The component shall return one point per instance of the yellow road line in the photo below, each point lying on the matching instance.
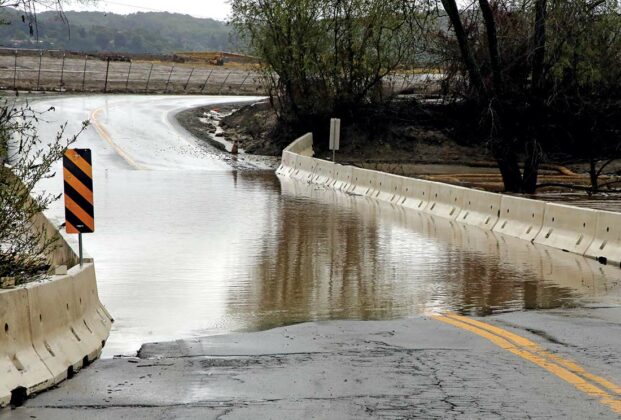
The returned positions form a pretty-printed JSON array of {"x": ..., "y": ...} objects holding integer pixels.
[
  {"x": 568, "y": 371},
  {"x": 535, "y": 348},
  {"x": 106, "y": 136}
]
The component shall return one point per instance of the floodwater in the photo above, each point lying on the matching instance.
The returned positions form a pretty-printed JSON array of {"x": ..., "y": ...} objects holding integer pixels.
[{"x": 186, "y": 246}]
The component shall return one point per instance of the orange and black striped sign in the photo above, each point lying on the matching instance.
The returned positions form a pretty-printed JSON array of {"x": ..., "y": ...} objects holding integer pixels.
[{"x": 79, "y": 208}]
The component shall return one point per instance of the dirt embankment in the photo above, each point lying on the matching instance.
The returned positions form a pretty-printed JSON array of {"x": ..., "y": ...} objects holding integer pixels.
[
  {"x": 402, "y": 137},
  {"x": 375, "y": 138}
]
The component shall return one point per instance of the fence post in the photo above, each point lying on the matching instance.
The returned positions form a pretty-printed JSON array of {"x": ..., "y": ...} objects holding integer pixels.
[
  {"x": 62, "y": 74},
  {"x": 188, "y": 81},
  {"x": 206, "y": 81},
  {"x": 39, "y": 74},
  {"x": 107, "y": 70},
  {"x": 15, "y": 73},
  {"x": 224, "y": 82},
  {"x": 169, "y": 76},
  {"x": 84, "y": 73},
  {"x": 244, "y": 82},
  {"x": 128, "y": 73},
  {"x": 146, "y": 89}
]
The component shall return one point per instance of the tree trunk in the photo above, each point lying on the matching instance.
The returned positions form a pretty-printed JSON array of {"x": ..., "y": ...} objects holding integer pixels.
[
  {"x": 508, "y": 165},
  {"x": 594, "y": 175},
  {"x": 492, "y": 43},
  {"x": 531, "y": 167},
  {"x": 450, "y": 6},
  {"x": 539, "y": 45}
]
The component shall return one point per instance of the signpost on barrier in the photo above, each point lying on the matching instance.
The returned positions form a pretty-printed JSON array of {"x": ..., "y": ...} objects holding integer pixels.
[
  {"x": 79, "y": 204},
  {"x": 335, "y": 137}
]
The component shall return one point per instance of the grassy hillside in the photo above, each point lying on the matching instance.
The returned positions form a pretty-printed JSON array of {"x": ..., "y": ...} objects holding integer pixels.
[{"x": 156, "y": 33}]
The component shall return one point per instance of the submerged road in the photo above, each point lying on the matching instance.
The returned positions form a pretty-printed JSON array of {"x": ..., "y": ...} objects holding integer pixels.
[{"x": 192, "y": 246}]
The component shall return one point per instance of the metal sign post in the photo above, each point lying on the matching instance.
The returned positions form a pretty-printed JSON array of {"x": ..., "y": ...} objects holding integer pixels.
[
  {"x": 335, "y": 136},
  {"x": 79, "y": 204}
]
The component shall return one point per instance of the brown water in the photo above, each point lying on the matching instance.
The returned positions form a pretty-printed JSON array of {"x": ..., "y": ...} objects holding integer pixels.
[
  {"x": 182, "y": 254},
  {"x": 187, "y": 247}
]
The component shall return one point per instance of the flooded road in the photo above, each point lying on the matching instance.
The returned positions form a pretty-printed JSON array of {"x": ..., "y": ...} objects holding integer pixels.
[{"x": 186, "y": 246}]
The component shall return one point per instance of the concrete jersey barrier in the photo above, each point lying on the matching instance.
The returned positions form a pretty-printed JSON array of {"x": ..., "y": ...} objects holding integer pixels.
[
  {"x": 416, "y": 193},
  {"x": 568, "y": 228},
  {"x": 342, "y": 178},
  {"x": 520, "y": 217},
  {"x": 606, "y": 246},
  {"x": 50, "y": 328},
  {"x": 21, "y": 368},
  {"x": 595, "y": 234},
  {"x": 445, "y": 200},
  {"x": 480, "y": 208}
]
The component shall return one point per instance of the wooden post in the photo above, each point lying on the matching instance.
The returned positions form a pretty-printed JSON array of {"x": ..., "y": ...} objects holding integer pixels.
[
  {"x": 169, "y": 76},
  {"x": 39, "y": 75},
  {"x": 223, "y": 83},
  {"x": 188, "y": 81},
  {"x": 84, "y": 73},
  {"x": 62, "y": 74},
  {"x": 107, "y": 70},
  {"x": 206, "y": 81},
  {"x": 146, "y": 89},
  {"x": 128, "y": 73},
  {"x": 244, "y": 82},
  {"x": 15, "y": 73}
]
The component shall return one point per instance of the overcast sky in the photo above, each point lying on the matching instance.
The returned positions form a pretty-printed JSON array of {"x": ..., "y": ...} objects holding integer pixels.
[{"x": 216, "y": 9}]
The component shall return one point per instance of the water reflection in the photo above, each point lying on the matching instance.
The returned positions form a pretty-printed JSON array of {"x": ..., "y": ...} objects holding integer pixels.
[
  {"x": 332, "y": 255},
  {"x": 188, "y": 253}
]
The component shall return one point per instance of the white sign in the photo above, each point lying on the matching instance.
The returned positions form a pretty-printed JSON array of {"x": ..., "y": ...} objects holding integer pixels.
[{"x": 335, "y": 133}]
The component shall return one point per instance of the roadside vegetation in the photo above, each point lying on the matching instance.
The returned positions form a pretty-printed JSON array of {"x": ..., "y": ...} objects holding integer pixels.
[
  {"x": 25, "y": 160},
  {"x": 25, "y": 245},
  {"x": 526, "y": 82}
]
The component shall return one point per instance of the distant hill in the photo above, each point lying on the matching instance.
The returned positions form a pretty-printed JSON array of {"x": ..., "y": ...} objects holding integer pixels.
[{"x": 153, "y": 33}]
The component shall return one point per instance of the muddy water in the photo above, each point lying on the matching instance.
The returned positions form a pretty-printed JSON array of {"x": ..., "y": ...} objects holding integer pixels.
[
  {"x": 182, "y": 254},
  {"x": 185, "y": 246}
]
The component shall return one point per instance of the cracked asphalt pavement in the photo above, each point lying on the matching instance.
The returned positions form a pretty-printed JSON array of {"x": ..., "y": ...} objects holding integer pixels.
[{"x": 408, "y": 368}]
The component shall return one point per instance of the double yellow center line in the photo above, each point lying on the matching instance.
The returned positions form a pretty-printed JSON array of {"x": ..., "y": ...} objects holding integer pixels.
[
  {"x": 595, "y": 386},
  {"x": 103, "y": 133}
]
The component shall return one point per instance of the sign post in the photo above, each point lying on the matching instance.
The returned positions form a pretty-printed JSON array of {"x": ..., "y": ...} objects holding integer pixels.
[
  {"x": 335, "y": 137},
  {"x": 79, "y": 204}
]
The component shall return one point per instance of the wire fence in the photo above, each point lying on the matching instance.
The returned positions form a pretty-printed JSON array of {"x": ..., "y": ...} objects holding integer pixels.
[
  {"x": 60, "y": 71},
  {"x": 38, "y": 70}
]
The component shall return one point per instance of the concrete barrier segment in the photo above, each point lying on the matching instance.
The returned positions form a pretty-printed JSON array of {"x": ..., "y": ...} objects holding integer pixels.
[
  {"x": 480, "y": 208},
  {"x": 67, "y": 322},
  {"x": 288, "y": 163},
  {"x": 446, "y": 200},
  {"x": 606, "y": 246},
  {"x": 364, "y": 182},
  {"x": 520, "y": 217},
  {"x": 415, "y": 193},
  {"x": 324, "y": 172},
  {"x": 343, "y": 178},
  {"x": 20, "y": 365},
  {"x": 302, "y": 146},
  {"x": 53, "y": 336},
  {"x": 305, "y": 168},
  {"x": 390, "y": 187},
  {"x": 568, "y": 228}
]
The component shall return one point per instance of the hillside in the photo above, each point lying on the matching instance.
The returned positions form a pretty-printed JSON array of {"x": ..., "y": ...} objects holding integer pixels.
[{"x": 155, "y": 33}]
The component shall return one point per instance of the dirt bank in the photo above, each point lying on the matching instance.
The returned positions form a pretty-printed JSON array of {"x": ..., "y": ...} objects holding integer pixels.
[{"x": 403, "y": 137}]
